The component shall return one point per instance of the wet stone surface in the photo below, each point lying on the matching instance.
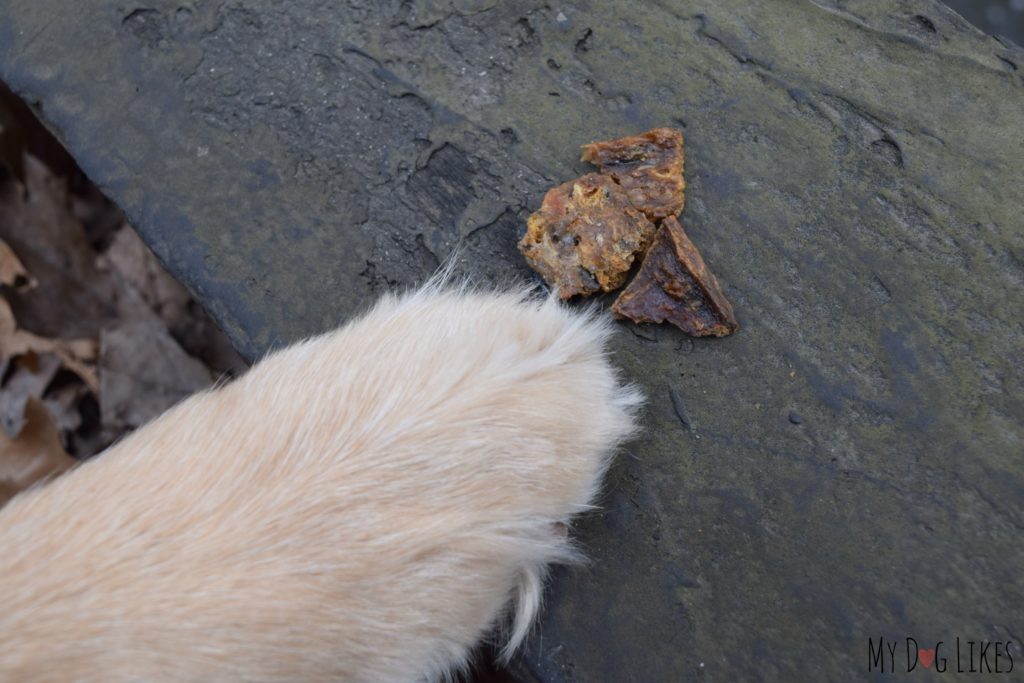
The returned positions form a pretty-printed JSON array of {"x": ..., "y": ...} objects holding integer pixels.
[{"x": 853, "y": 179}]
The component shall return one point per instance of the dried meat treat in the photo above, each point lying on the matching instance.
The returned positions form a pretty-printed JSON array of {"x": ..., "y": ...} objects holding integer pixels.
[
  {"x": 585, "y": 236},
  {"x": 674, "y": 285},
  {"x": 649, "y": 167}
]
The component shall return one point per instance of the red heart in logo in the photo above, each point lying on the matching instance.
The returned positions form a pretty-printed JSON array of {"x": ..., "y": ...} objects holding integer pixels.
[{"x": 926, "y": 656}]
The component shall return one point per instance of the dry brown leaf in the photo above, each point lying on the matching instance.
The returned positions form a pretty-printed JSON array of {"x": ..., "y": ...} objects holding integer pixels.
[
  {"x": 139, "y": 271},
  {"x": 101, "y": 294},
  {"x": 35, "y": 454},
  {"x": 64, "y": 403},
  {"x": 129, "y": 256},
  {"x": 26, "y": 377},
  {"x": 12, "y": 272},
  {"x": 144, "y": 372},
  {"x": 78, "y": 355},
  {"x": 74, "y": 299}
]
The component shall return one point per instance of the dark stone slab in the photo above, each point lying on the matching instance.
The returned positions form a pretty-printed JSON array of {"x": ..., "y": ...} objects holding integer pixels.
[{"x": 854, "y": 174}]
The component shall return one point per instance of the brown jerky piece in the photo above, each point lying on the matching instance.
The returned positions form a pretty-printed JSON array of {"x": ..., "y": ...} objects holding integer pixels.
[
  {"x": 585, "y": 236},
  {"x": 674, "y": 285},
  {"x": 649, "y": 167}
]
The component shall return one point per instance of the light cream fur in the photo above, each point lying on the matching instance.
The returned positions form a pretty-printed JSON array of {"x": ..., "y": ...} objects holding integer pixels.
[{"x": 363, "y": 506}]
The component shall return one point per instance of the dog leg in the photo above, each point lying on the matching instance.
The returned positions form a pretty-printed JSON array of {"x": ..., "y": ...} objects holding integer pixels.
[{"x": 362, "y": 506}]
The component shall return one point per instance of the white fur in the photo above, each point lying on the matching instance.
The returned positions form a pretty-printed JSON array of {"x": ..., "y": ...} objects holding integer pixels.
[{"x": 362, "y": 506}]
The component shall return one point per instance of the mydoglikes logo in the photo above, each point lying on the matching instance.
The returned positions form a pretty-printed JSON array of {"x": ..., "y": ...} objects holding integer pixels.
[{"x": 962, "y": 656}]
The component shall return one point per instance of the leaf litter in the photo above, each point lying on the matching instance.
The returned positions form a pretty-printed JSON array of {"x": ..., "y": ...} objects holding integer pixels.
[{"x": 96, "y": 338}]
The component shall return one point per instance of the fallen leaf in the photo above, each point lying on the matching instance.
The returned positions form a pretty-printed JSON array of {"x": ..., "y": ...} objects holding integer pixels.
[
  {"x": 99, "y": 293},
  {"x": 63, "y": 398},
  {"x": 73, "y": 298},
  {"x": 138, "y": 269},
  {"x": 26, "y": 377},
  {"x": 36, "y": 453},
  {"x": 143, "y": 372},
  {"x": 78, "y": 355},
  {"x": 129, "y": 257},
  {"x": 100, "y": 218},
  {"x": 12, "y": 272}
]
